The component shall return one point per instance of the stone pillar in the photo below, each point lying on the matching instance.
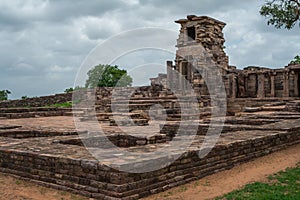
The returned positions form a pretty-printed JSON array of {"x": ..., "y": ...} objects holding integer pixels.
[
  {"x": 234, "y": 86},
  {"x": 170, "y": 77},
  {"x": 261, "y": 86},
  {"x": 272, "y": 77},
  {"x": 185, "y": 36},
  {"x": 184, "y": 68},
  {"x": 246, "y": 86},
  {"x": 189, "y": 72},
  {"x": 286, "y": 85},
  {"x": 296, "y": 86},
  {"x": 180, "y": 75}
]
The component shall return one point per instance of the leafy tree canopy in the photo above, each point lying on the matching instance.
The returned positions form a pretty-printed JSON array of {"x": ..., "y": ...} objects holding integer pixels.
[
  {"x": 296, "y": 60},
  {"x": 4, "y": 94},
  {"x": 282, "y": 13},
  {"x": 107, "y": 76},
  {"x": 69, "y": 90}
]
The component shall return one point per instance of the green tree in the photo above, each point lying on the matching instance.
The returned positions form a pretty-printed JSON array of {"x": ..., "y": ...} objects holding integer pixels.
[
  {"x": 296, "y": 60},
  {"x": 281, "y": 13},
  {"x": 107, "y": 76},
  {"x": 69, "y": 90},
  {"x": 4, "y": 94}
]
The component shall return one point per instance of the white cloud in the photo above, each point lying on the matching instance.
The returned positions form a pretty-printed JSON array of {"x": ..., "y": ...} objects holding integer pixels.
[
  {"x": 95, "y": 28},
  {"x": 59, "y": 69}
]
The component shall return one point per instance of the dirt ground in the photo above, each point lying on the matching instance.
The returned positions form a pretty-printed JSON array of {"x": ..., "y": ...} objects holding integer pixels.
[
  {"x": 206, "y": 188},
  {"x": 226, "y": 181},
  {"x": 16, "y": 189}
]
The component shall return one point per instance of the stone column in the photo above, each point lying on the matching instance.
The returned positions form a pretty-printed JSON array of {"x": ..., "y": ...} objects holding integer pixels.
[
  {"x": 234, "y": 86},
  {"x": 261, "y": 86},
  {"x": 246, "y": 94},
  {"x": 272, "y": 77},
  {"x": 185, "y": 75},
  {"x": 286, "y": 85},
  {"x": 185, "y": 36},
  {"x": 296, "y": 86},
  {"x": 180, "y": 75},
  {"x": 189, "y": 72},
  {"x": 170, "y": 77}
]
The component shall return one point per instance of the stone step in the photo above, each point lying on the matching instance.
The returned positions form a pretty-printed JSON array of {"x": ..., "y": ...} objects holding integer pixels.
[
  {"x": 32, "y": 114},
  {"x": 37, "y": 109},
  {"x": 147, "y": 98},
  {"x": 180, "y": 117},
  {"x": 74, "y": 113},
  {"x": 134, "y": 101},
  {"x": 6, "y": 127},
  {"x": 132, "y": 122},
  {"x": 275, "y": 104},
  {"x": 293, "y": 106},
  {"x": 252, "y": 109},
  {"x": 264, "y": 108},
  {"x": 274, "y": 108},
  {"x": 108, "y": 115},
  {"x": 118, "y": 140}
]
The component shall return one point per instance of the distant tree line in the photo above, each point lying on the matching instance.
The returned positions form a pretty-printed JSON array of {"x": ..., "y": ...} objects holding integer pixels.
[{"x": 4, "y": 94}]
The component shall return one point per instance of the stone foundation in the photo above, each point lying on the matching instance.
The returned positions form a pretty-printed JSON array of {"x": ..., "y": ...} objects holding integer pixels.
[
  {"x": 60, "y": 161},
  {"x": 89, "y": 178}
]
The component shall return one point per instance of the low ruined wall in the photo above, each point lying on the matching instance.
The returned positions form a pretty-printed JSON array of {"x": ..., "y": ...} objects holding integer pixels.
[
  {"x": 92, "y": 179},
  {"x": 37, "y": 101},
  {"x": 238, "y": 104},
  {"x": 103, "y": 96}
]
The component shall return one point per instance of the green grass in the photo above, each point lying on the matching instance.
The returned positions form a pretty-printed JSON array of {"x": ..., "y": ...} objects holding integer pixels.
[
  {"x": 61, "y": 105},
  {"x": 281, "y": 186}
]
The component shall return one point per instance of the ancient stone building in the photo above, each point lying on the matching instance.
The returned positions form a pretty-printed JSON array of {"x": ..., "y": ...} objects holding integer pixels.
[
  {"x": 258, "y": 82},
  {"x": 201, "y": 44}
]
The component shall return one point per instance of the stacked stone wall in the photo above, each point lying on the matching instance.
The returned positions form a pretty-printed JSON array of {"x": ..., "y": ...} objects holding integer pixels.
[
  {"x": 37, "y": 101},
  {"x": 90, "y": 178}
]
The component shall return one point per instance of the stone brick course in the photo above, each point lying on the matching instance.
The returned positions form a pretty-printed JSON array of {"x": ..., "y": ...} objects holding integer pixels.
[{"x": 58, "y": 164}]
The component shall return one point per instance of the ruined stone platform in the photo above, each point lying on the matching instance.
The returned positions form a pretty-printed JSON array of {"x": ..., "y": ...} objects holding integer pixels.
[{"x": 50, "y": 152}]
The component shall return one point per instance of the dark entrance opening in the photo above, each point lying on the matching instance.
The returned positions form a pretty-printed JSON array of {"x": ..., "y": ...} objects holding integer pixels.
[{"x": 191, "y": 33}]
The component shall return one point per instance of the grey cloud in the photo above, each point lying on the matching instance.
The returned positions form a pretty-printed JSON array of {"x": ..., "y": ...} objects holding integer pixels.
[
  {"x": 18, "y": 14},
  {"x": 202, "y": 7},
  {"x": 62, "y": 10},
  {"x": 43, "y": 42}
]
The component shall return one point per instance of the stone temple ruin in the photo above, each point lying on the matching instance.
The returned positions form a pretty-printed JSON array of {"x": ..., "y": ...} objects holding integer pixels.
[
  {"x": 198, "y": 33},
  {"x": 59, "y": 147}
]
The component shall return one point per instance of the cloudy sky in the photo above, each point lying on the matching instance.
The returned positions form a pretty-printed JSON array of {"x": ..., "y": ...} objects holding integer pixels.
[{"x": 44, "y": 42}]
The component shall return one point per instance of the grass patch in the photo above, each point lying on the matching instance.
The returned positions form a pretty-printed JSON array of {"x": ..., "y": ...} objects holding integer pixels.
[
  {"x": 61, "y": 105},
  {"x": 18, "y": 182},
  {"x": 284, "y": 185}
]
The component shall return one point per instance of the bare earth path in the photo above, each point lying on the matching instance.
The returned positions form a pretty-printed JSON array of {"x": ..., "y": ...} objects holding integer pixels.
[
  {"x": 227, "y": 181},
  {"x": 207, "y": 188}
]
